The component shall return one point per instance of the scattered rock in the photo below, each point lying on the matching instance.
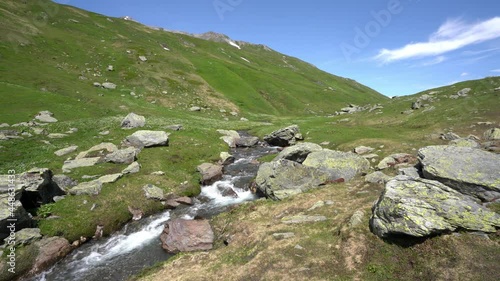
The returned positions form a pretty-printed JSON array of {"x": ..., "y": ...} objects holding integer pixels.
[
  {"x": 284, "y": 235},
  {"x": 97, "y": 84},
  {"x": 7, "y": 208},
  {"x": 78, "y": 163},
  {"x": 283, "y": 137},
  {"x": 195, "y": 108},
  {"x": 363, "y": 150},
  {"x": 298, "y": 152},
  {"x": 38, "y": 187},
  {"x": 104, "y": 133},
  {"x": 136, "y": 213},
  {"x": 56, "y": 136},
  {"x": 110, "y": 178},
  {"x": 66, "y": 150},
  {"x": 87, "y": 188},
  {"x": 153, "y": 192},
  {"x": 340, "y": 165},
  {"x": 210, "y": 173},
  {"x": 450, "y": 136},
  {"x": 108, "y": 85},
  {"x": 146, "y": 138},
  {"x": 302, "y": 219},
  {"x": 230, "y": 137},
  {"x": 416, "y": 105},
  {"x": 143, "y": 58},
  {"x": 174, "y": 127},
  {"x": 110, "y": 68},
  {"x": 226, "y": 158},
  {"x": 123, "y": 156},
  {"x": 27, "y": 236},
  {"x": 133, "y": 120},
  {"x": 356, "y": 219},
  {"x": 283, "y": 178},
  {"x": 133, "y": 168},
  {"x": 411, "y": 172},
  {"x": 182, "y": 235},
  {"x": 105, "y": 146},
  {"x": 470, "y": 171},
  {"x": 64, "y": 182},
  {"x": 46, "y": 117},
  {"x": 465, "y": 143},
  {"x": 4, "y": 125},
  {"x": 39, "y": 131},
  {"x": 492, "y": 134},
  {"x": 158, "y": 173},
  {"x": 184, "y": 200},
  {"x": 247, "y": 141},
  {"x": 99, "y": 230},
  {"x": 464, "y": 92},
  {"x": 420, "y": 208},
  {"x": 396, "y": 160},
  {"x": 377, "y": 177}
]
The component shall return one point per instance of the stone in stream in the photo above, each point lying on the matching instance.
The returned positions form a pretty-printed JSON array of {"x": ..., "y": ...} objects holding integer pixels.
[
  {"x": 50, "y": 251},
  {"x": 210, "y": 173},
  {"x": 181, "y": 235},
  {"x": 230, "y": 137},
  {"x": 247, "y": 141}
]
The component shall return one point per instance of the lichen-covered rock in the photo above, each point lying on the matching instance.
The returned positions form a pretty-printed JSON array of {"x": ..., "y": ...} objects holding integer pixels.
[
  {"x": 133, "y": 168},
  {"x": 153, "y": 192},
  {"x": 377, "y": 177},
  {"x": 87, "y": 188},
  {"x": 363, "y": 150},
  {"x": 247, "y": 141},
  {"x": 123, "y": 156},
  {"x": 78, "y": 163},
  {"x": 27, "y": 236},
  {"x": 67, "y": 150},
  {"x": 133, "y": 120},
  {"x": 283, "y": 178},
  {"x": 420, "y": 208},
  {"x": 99, "y": 149},
  {"x": 298, "y": 152},
  {"x": 284, "y": 137},
  {"x": 340, "y": 165},
  {"x": 471, "y": 171},
  {"x": 465, "y": 143},
  {"x": 492, "y": 134},
  {"x": 145, "y": 138}
]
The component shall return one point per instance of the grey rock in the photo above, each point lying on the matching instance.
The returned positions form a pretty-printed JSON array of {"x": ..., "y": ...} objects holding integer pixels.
[
  {"x": 23, "y": 218},
  {"x": 464, "y": 92},
  {"x": 420, "y": 208},
  {"x": 182, "y": 235},
  {"x": 66, "y": 150},
  {"x": 247, "y": 141},
  {"x": 356, "y": 219},
  {"x": 195, "y": 108},
  {"x": 64, "y": 182},
  {"x": 46, "y": 117},
  {"x": 377, "y": 177},
  {"x": 302, "y": 219},
  {"x": 56, "y": 136},
  {"x": 283, "y": 235},
  {"x": 340, "y": 165},
  {"x": 87, "y": 188},
  {"x": 108, "y": 85},
  {"x": 39, "y": 131},
  {"x": 145, "y": 138},
  {"x": 416, "y": 105},
  {"x": 158, "y": 173},
  {"x": 133, "y": 120},
  {"x": 110, "y": 68},
  {"x": 123, "y": 156},
  {"x": 465, "y": 143},
  {"x": 283, "y": 178},
  {"x": 492, "y": 134},
  {"x": 27, "y": 236},
  {"x": 226, "y": 158},
  {"x": 78, "y": 163},
  {"x": 97, "y": 84},
  {"x": 298, "y": 152},
  {"x": 210, "y": 173},
  {"x": 4, "y": 125},
  {"x": 411, "y": 172},
  {"x": 363, "y": 150},
  {"x": 38, "y": 186},
  {"x": 143, "y": 58},
  {"x": 470, "y": 171},
  {"x": 153, "y": 192},
  {"x": 110, "y": 178},
  {"x": 174, "y": 127},
  {"x": 450, "y": 136},
  {"x": 230, "y": 137},
  {"x": 101, "y": 148},
  {"x": 133, "y": 168},
  {"x": 283, "y": 137}
]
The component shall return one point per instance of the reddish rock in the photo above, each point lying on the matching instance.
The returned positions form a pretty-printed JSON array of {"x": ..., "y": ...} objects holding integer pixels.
[
  {"x": 184, "y": 200},
  {"x": 50, "y": 251},
  {"x": 182, "y": 235}
]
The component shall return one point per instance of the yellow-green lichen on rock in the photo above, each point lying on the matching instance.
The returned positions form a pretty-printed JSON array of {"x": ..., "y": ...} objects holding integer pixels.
[
  {"x": 420, "y": 207},
  {"x": 338, "y": 164}
]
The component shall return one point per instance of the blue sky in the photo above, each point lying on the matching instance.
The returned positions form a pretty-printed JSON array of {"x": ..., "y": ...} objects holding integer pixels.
[{"x": 397, "y": 47}]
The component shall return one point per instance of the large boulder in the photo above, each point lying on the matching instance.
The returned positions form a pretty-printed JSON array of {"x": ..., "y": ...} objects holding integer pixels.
[
  {"x": 298, "y": 152},
  {"x": 284, "y": 137},
  {"x": 469, "y": 170},
  {"x": 27, "y": 236},
  {"x": 123, "y": 156},
  {"x": 10, "y": 211},
  {"x": 283, "y": 178},
  {"x": 210, "y": 173},
  {"x": 420, "y": 208},
  {"x": 133, "y": 120},
  {"x": 182, "y": 235},
  {"x": 145, "y": 138},
  {"x": 340, "y": 165},
  {"x": 46, "y": 117},
  {"x": 230, "y": 137},
  {"x": 38, "y": 187},
  {"x": 247, "y": 141}
]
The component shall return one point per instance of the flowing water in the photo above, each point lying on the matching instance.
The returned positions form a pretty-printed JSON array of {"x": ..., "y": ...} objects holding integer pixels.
[{"x": 137, "y": 245}]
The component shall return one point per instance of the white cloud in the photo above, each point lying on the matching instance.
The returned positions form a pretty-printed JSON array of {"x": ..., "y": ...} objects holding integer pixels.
[
  {"x": 496, "y": 70},
  {"x": 436, "y": 60},
  {"x": 464, "y": 74},
  {"x": 452, "y": 35}
]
